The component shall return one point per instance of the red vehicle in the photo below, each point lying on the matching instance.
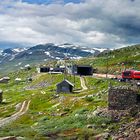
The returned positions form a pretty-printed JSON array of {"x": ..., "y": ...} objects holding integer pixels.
[
  {"x": 131, "y": 74},
  {"x": 137, "y": 75}
]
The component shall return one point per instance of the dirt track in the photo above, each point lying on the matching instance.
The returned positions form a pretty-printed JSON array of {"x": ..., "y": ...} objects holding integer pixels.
[
  {"x": 104, "y": 75},
  {"x": 83, "y": 85},
  {"x": 23, "y": 110}
]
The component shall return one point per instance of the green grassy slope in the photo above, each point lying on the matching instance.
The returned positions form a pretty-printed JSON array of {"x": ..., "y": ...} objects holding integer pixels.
[
  {"x": 117, "y": 60},
  {"x": 52, "y": 116},
  {"x": 63, "y": 116}
]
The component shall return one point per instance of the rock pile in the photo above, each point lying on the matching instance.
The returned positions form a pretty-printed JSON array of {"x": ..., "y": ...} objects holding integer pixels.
[
  {"x": 39, "y": 85},
  {"x": 129, "y": 131}
]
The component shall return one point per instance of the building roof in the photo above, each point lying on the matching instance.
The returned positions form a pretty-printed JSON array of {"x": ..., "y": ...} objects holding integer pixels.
[
  {"x": 53, "y": 72},
  {"x": 84, "y": 66},
  {"x": 44, "y": 67},
  {"x": 66, "y": 82}
]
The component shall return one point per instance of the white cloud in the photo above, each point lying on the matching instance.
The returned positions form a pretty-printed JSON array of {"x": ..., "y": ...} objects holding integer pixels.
[{"x": 104, "y": 23}]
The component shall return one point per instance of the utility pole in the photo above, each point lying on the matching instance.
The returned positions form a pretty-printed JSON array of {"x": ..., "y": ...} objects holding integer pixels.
[
  {"x": 107, "y": 64},
  {"x": 74, "y": 76},
  {"x": 73, "y": 72},
  {"x": 65, "y": 72}
]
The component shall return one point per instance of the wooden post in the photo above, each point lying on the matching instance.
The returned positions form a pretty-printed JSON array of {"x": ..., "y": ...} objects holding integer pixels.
[{"x": 1, "y": 92}]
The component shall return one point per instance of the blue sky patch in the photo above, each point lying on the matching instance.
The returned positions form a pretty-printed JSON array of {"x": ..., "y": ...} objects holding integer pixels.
[{"x": 51, "y": 1}]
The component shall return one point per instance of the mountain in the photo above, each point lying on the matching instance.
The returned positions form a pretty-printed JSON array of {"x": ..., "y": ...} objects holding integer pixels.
[
  {"x": 48, "y": 51},
  {"x": 44, "y": 52}
]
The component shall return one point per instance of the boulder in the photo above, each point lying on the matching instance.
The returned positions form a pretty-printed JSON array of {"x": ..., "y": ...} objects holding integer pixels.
[
  {"x": 17, "y": 80},
  {"x": 4, "y": 80},
  {"x": 137, "y": 131},
  {"x": 90, "y": 126}
]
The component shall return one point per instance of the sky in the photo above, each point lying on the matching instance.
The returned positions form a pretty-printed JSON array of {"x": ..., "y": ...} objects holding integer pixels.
[
  {"x": 51, "y": 1},
  {"x": 89, "y": 23}
]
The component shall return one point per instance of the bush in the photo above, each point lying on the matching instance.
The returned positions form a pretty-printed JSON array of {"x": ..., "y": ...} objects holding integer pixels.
[{"x": 89, "y": 98}]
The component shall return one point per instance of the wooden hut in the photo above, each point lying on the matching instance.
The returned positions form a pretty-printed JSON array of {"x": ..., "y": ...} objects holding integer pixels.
[
  {"x": 64, "y": 86},
  {"x": 82, "y": 70},
  {"x": 44, "y": 69}
]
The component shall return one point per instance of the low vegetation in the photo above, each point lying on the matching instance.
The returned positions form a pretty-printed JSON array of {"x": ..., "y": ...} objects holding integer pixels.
[{"x": 61, "y": 116}]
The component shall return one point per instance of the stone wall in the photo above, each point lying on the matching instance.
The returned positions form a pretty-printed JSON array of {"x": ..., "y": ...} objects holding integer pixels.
[{"x": 120, "y": 98}]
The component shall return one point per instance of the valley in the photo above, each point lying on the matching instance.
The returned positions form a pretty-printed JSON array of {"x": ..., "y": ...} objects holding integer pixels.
[
  {"x": 69, "y": 70},
  {"x": 33, "y": 110}
]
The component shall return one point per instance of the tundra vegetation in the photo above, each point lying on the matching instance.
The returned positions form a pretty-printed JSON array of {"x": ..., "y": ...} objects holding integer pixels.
[{"x": 62, "y": 116}]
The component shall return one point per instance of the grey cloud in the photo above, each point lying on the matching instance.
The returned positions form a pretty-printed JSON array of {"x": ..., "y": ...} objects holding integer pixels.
[{"x": 104, "y": 23}]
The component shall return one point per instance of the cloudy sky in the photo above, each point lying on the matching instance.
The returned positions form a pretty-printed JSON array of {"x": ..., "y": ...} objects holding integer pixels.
[{"x": 92, "y": 23}]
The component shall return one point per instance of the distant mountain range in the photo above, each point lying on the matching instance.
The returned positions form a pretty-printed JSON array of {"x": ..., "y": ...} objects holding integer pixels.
[
  {"x": 48, "y": 51},
  {"x": 15, "y": 57}
]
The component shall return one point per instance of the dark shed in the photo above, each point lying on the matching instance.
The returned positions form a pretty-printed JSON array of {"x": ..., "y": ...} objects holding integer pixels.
[
  {"x": 83, "y": 70},
  {"x": 44, "y": 69},
  {"x": 64, "y": 86}
]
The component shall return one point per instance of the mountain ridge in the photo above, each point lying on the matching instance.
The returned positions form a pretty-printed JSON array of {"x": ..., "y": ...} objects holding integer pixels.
[
  {"x": 48, "y": 51},
  {"x": 18, "y": 57}
]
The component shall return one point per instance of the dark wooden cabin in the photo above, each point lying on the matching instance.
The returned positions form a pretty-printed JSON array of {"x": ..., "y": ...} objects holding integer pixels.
[
  {"x": 83, "y": 70},
  {"x": 64, "y": 86},
  {"x": 44, "y": 69}
]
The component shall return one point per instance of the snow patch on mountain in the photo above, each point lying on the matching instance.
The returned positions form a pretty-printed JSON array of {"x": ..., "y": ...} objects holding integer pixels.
[
  {"x": 18, "y": 64},
  {"x": 75, "y": 57},
  {"x": 1, "y": 51},
  {"x": 67, "y": 45},
  {"x": 99, "y": 49},
  {"x": 47, "y": 53},
  {"x": 92, "y": 51},
  {"x": 30, "y": 52},
  {"x": 18, "y": 50},
  {"x": 12, "y": 58}
]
